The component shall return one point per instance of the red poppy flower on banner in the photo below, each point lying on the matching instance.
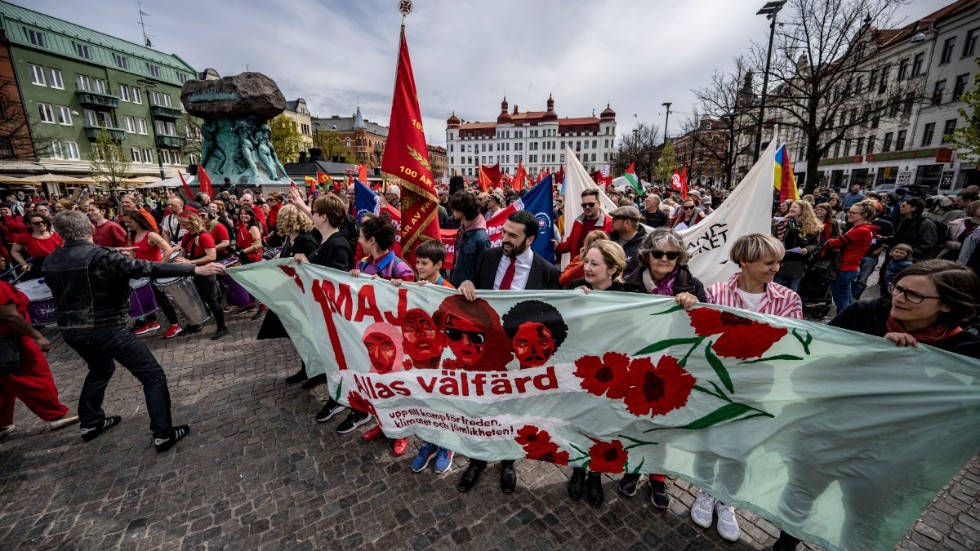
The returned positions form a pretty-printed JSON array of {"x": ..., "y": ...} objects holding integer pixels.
[
  {"x": 551, "y": 455},
  {"x": 604, "y": 377},
  {"x": 656, "y": 390},
  {"x": 740, "y": 337},
  {"x": 291, "y": 272},
  {"x": 358, "y": 402},
  {"x": 608, "y": 457},
  {"x": 533, "y": 438}
]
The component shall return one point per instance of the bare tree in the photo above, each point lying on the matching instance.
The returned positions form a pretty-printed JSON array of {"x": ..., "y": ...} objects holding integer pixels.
[
  {"x": 21, "y": 134},
  {"x": 638, "y": 146},
  {"x": 825, "y": 76}
]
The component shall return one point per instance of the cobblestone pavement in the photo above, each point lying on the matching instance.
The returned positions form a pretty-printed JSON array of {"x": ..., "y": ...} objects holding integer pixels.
[{"x": 258, "y": 472}]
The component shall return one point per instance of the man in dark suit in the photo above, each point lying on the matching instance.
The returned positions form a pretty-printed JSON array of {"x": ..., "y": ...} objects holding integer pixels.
[{"x": 513, "y": 266}]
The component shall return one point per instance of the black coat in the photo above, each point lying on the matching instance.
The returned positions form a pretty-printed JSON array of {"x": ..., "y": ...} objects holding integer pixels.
[
  {"x": 543, "y": 275},
  {"x": 685, "y": 282}
]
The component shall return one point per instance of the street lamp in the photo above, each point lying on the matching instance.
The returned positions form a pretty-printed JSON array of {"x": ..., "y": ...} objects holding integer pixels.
[
  {"x": 666, "y": 118},
  {"x": 770, "y": 10},
  {"x": 730, "y": 154}
]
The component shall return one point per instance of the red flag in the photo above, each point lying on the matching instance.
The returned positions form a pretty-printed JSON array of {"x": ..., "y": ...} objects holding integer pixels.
[
  {"x": 560, "y": 175},
  {"x": 205, "y": 181},
  {"x": 362, "y": 173},
  {"x": 679, "y": 181},
  {"x": 406, "y": 156},
  {"x": 310, "y": 181},
  {"x": 322, "y": 177},
  {"x": 492, "y": 173},
  {"x": 521, "y": 179},
  {"x": 484, "y": 180},
  {"x": 187, "y": 188}
]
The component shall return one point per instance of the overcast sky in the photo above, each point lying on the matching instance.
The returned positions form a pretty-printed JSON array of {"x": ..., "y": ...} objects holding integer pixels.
[{"x": 467, "y": 55}]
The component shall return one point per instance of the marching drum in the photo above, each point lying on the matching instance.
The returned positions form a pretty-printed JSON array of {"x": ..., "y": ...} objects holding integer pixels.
[
  {"x": 237, "y": 295},
  {"x": 41, "y": 306},
  {"x": 183, "y": 294},
  {"x": 141, "y": 300}
]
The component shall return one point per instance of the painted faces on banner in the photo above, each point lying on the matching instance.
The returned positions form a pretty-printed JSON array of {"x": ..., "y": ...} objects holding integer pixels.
[
  {"x": 384, "y": 347},
  {"x": 422, "y": 339},
  {"x": 536, "y": 330},
  {"x": 473, "y": 334}
]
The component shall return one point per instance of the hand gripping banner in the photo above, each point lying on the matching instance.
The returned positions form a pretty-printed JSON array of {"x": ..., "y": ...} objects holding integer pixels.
[{"x": 841, "y": 439}]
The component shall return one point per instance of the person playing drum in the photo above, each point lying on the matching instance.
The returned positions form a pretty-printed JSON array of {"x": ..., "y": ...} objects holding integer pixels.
[
  {"x": 198, "y": 249},
  {"x": 151, "y": 246},
  {"x": 38, "y": 244}
]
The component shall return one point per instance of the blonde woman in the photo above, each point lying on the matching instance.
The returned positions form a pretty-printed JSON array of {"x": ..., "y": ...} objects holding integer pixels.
[{"x": 799, "y": 232}]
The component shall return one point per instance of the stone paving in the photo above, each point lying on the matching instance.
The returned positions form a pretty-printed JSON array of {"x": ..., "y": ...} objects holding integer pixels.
[{"x": 258, "y": 472}]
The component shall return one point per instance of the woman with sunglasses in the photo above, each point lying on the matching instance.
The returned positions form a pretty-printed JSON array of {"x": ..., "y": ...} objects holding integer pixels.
[
  {"x": 926, "y": 304},
  {"x": 687, "y": 215},
  {"x": 38, "y": 244}
]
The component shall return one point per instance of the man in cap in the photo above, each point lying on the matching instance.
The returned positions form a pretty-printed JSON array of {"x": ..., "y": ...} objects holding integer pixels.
[{"x": 628, "y": 232}]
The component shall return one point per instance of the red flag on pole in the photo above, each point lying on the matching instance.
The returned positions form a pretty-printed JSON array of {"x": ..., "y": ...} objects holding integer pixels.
[
  {"x": 407, "y": 157},
  {"x": 520, "y": 179},
  {"x": 493, "y": 174},
  {"x": 362, "y": 173},
  {"x": 205, "y": 181},
  {"x": 484, "y": 180},
  {"x": 679, "y": 181},
  {"x": 187, "y": 188}
]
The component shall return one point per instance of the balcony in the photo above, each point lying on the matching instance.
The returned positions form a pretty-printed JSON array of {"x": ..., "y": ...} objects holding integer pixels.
[
  {"x": 161, "y": 112},
  {"x": 170, "y": 142},
  {"x": 97, "y": 100},
  {"x": 117, "y": 134}
]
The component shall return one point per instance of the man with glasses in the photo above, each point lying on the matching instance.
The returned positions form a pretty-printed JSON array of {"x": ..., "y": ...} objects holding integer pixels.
[
  {"x": 513, "y": 266},
  {"x": 592, "y": 218}
]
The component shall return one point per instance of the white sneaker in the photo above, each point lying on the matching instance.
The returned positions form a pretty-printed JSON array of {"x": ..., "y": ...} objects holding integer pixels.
[
  {"x": 727, "y": 522},
  {"x": 703, "y": 509}
]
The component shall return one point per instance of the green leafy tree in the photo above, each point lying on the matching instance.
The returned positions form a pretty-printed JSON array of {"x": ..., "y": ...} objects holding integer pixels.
[
  {"x": 667, "y": 162},
  {"x": 968, "y": 137},
  {"x": 109, "y": 163},
  {"x": 286, "y": 139},
  {"x": 332, "y": 145}
]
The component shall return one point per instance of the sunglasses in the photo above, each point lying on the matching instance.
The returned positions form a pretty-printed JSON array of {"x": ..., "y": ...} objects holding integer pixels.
[
  {"x": 588, "y": 205},
  {"x": 39, "y": 223},
  {"x": 672, "y": 255},
  {"x": 688, "y": 208},
  {"x": 475, "y": 337}
]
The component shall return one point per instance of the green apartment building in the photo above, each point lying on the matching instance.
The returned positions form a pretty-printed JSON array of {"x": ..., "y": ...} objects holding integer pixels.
[{"x": 74, "y": 81}]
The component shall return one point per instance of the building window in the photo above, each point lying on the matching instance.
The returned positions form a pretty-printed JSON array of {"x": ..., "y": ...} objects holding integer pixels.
[
  {"x": 886, "y": 145},
  {"x": 859, "y": 146},
  {"x": 98, "y": 85},
  {"x": 141, "y": 126},
  {"x": 55, "y": 80},
  {"x": 938, "y": 91},
  {"x": 137, "y": 95},
  {"x": 123, "y": 92},
  {"x": 35, "y": 37},
  {"x": 183, "y": 77},
  {"x": 837, "y": 150},
  {"x": 971, "y": 42},
  {"x": 6, "y": 148},
  {"x": 148, "y": 156},
  {"x": 927, "y": 133},
  {"x": 917, "y": 64},
  {"x": 134, "y": 152},
  {"x": 871, "y": 145},
  {"x": 46, "y": 112},
  {"x": 90, "y": 118},
  {"x": 948, "y": 46},
  {"x": 900, "y": 140},
  {"x": 130, "y": 125},
  {"x": 37, "y": 74},
  {"x": 883, "y": 83},
  {"x": 909, "y": 103},
  {"x": 903, "y": 69},
  {"x": 960, "y": 86},
  {"x": 56, "y": 150},
  {"x": 84, "y": 83},
  {"x": 121, "y": 61},
  {"x": 71, "y": 151},
  {"x": 154, "y": 70},
  {"x": 948, "y": 129},
  {"x": 81, "y": 50},
  {"x": 64, "y": 115}
]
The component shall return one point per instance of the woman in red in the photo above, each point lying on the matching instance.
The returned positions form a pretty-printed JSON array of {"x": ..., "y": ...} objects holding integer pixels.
[
  {"x": 854, "y": 245},
  {"x": 38, "y": 244},
  {"x": 32, "y": 383},
  {"x": 248, "y": 237},
  {"x": 198, "y": 247},
  {"x": 149, "y": 245}
]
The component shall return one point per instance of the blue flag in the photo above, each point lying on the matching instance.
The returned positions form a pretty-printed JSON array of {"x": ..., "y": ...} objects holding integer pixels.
[
  {"x": 539, "y": 201},
  {"x": 365, "y": 201}
]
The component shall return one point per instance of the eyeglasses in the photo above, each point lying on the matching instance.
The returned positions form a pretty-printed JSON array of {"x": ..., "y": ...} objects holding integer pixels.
[
  {"x": 911, "y": 296},
  {"x": 588, "y": 205},
  {"x": 688, "y": 208},
  {"x": 671, "y": 255},
  {"x": 475, "y": 337}
]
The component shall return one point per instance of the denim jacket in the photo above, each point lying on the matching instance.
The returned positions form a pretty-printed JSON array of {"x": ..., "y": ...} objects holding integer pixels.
[
  {"x": 466, "y": 255},
  {"x": 90, "y": 284}
]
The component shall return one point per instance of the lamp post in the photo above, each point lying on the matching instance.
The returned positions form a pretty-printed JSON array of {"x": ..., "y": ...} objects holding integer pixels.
[
  {"x": 730, "y": 154},
  {"x": 770, "y": 10},
  {"x": 666, "y": 118}
]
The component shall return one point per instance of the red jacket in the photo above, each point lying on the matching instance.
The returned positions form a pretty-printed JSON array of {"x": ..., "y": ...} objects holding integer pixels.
[
  {"x": 575, "y": 239},
  {"x": 855, "y": 242}
]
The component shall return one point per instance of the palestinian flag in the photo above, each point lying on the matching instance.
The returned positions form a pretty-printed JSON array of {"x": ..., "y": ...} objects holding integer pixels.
[{"x": 630, "y": 176}]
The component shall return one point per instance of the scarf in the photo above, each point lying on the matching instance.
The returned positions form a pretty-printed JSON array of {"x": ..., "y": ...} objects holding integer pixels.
[
  {"x": 930, "y": 335},
  {"x": 664, "y": 288}
]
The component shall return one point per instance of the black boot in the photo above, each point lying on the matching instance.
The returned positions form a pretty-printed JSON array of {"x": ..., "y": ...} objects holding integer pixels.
[
  {"x": 471, "y": 475},
  {"x": 297, "y": 377},
  {"x": 785, "y": 542},
  {"x": 576, "y": 484},
  {"x": 593, "y": 489}
]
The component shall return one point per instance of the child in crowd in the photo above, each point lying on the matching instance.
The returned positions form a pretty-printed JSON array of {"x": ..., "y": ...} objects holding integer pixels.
[
  {"x": 901, "y": 256},
  {"x": 429, "y": 258}
]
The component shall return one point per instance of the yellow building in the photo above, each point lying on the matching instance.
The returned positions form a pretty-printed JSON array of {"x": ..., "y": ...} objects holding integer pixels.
[{"x": 297, "y": 112}]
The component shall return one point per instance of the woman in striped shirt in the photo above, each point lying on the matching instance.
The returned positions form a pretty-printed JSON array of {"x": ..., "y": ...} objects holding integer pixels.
[{"x": 759, "y": 256}]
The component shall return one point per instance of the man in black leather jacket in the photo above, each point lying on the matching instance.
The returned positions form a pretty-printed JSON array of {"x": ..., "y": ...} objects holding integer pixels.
[{"x": 90, "y": 285}]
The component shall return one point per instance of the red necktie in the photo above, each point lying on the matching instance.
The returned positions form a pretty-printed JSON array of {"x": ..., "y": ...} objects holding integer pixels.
[{"x": 508, "y": 278}]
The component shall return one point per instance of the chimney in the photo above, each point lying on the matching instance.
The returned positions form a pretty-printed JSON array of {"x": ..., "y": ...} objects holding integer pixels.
[
  {"x": 315, "y": 153},
  {"x": 302, "y": 156},
  {"x": 335, "y": 159}
]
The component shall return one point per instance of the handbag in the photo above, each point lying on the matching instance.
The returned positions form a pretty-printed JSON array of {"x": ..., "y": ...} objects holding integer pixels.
[
  {"x": 828, "y": 265},
  {"x": 10, "y": 354}
]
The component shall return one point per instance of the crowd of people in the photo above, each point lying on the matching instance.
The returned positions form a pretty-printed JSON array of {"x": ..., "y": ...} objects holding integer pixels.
[{"x": 96, "y": 244}]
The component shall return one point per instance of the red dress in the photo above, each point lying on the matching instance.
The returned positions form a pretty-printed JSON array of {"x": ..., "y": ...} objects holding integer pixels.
[
  {"x": 243, "y": 240},
  {"x": 33, "y": 384}
]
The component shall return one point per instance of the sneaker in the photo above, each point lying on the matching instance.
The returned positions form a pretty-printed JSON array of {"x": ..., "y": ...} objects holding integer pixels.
[
  {"x": 628, "y": 484},
  {"x": 703, "y": 509},
  {"x": 399, "y": 446},
  {"x": 90, "y": 433},
  {"x": 658, "y": 495},
  {"x": 176, "y": 433},
  {"x": 727, "y": 522},
  {"x": 147, "y": 328},
  {"x": 68, "y": 418},
  {"x": 444, "y": 461},
  {"x": 173, "y": 331},
  {"x": 354, "y": 420},
  {"x": 372, "y": 434},
  {"x": 5, "y": 431},
  {"x": 330, "y": 409},
  {"x": 426, "y": 453}
]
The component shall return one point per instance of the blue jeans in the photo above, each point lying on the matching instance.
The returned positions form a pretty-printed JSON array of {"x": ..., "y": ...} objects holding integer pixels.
[
  {"x": 868, "y": 264},
  {"x": 99, "y": 347},
  {"x": 791, "y": 282},
  {"x": 841, "y": 289}
]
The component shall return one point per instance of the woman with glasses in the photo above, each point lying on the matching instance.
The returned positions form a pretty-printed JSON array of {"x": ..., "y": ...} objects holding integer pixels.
[
  {"x": 687, "y": 216},
  {"x": 852, "y": 246},
  {"x": 926, "y": 304},
  {"x": 37, "y": 244}
]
